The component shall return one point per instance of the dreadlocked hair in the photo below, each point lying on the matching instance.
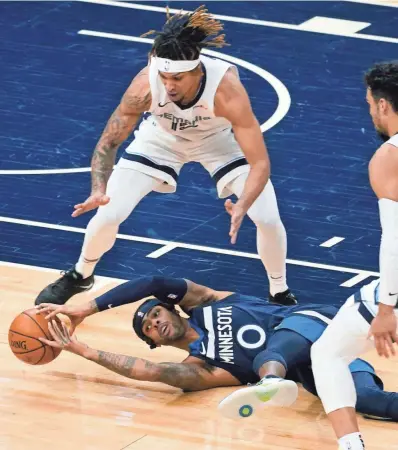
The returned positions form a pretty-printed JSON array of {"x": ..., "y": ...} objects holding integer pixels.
[{"x": 185, "y": 35}]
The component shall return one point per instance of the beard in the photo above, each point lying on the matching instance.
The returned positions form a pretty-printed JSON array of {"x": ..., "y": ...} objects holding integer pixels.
[
  {"x": 178, "y": 330},
  {"x": 383, "y": 136}
]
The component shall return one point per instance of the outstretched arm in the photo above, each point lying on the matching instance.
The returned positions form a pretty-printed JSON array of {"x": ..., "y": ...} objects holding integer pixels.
[
  {"x": 135, "y": 101},
  {"x": 191, "y": 375},
  {"x": 232, "y": 102},
  {"x": 185, "y": 293}
]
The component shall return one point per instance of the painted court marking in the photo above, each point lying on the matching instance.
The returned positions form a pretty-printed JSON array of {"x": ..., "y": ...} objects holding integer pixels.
[
  {"x": 340, "y": 31},
  {"x": 321, "y": 24},
  {"x": 284, "y": 100},
  {"x": 167, "y": 246},
  {"x": 280, "y": 89},
  {"x": 331, "y": 242}
]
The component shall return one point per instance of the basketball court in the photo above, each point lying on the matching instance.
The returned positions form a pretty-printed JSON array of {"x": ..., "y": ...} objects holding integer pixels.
[{"x": 65, "y": 66}]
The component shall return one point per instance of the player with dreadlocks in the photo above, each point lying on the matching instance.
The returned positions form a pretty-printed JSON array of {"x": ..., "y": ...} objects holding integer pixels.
[{"x": 200, "y": 112}]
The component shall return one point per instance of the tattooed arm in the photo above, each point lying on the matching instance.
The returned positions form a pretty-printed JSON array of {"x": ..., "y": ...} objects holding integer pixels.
[
  {"x": 135, "y": 101},
  {"x": 191, "y": 375},
  {"x": 232, "y": 102}
]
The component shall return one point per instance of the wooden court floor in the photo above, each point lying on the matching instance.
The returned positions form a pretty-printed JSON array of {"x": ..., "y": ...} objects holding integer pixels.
[{"x": 75, "y": 404}]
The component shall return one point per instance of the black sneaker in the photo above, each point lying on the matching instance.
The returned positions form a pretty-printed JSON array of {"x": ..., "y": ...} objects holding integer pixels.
[
  {"x": 285, "y": 298},
  {"x": 64, "y": 288}
]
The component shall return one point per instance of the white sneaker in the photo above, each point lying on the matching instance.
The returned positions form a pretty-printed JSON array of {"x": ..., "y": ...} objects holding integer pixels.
[{"x": 268, "y": 392}]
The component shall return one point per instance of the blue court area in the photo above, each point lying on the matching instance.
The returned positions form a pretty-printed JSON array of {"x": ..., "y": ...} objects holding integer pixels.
[{"x": 58, "y": 87}]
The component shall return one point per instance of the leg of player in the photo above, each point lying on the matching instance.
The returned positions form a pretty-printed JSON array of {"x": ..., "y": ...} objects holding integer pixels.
[
  {"x": 285, "y": 349},
  {"x": 343, "y": 340},
  {"x": 372, "y": 401},
  {"x": 126, "y": 188},
  {"x": 271, "y": 239}
]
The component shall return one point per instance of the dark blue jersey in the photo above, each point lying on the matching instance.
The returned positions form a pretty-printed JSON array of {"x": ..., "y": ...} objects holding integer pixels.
[{"x": 234, "y": 330}]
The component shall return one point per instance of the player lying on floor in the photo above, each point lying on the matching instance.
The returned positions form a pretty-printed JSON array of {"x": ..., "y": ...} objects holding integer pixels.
[{"x": 232, "y": 339}]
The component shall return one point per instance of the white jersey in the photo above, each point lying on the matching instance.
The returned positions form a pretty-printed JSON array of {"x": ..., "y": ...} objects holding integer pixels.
[
  {"x": 368, "y": 296},
  {"x": 393, "y": 140},
  {"x": 195, "y": 121}
]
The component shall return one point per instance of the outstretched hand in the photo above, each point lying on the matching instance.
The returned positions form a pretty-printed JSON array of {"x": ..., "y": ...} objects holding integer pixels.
[
  {"x": 75, "y": 313},
  {"x": 94, "y": 201},
  {"x": 237, "y": 214},
  {"x": 62, "y": 338},
  {"x": 384, "y": 331}
]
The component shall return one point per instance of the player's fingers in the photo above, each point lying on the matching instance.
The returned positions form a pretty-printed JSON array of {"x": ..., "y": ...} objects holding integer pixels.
[
  {"x": 377, "y": 344},
  {"x": 229, "y": 206},
  {"x": 233, "y": 234},
  {"x": 61, "y": 337},
  {"x": 57, "y": 328},
  {"x": 104, "y": 200},
  {"x": 232, "y": 230},
  {"x": 383, "y": 347},
  {"x": 50, "y": 343},
  {"x": 52, "y": 314},
  {"x": 65, "y": 330},
  {"x": 78, "y": 212},
  {"x": 53, "y": 332},
  {"x": 41, "y": 307},
  {"x": 390, "y": 345}
]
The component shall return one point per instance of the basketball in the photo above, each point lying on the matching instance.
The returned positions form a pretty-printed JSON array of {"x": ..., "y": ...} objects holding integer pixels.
[{"x": 23, "y": 338}]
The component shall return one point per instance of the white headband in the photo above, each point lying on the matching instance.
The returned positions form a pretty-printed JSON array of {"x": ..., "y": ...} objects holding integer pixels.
[{"x": 168, "y": 65}]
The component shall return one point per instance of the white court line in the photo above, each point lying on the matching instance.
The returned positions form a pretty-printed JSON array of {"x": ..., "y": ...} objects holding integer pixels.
[
  {"x": 329, "y": 25},
  {"x": 44, "y": 171},
  {"x": 354, "y": 280},
  {"x": 264, "y": 23},
  {"x": 201, "y": 248},
  {"x": 332, "y": 241},
  {"x": 391, "y": 4},
  {"x": 161, "y": 251},
  {"x": 284, "y": 100}
]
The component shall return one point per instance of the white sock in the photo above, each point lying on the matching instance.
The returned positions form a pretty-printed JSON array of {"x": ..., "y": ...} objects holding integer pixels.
[
  {"x": 352, "y": 441},
  {"x": 85, "y": 266},
  {"x": 271, "y": 246}
]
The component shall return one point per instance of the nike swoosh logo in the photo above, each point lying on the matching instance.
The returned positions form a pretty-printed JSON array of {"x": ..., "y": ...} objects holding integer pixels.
[
  {"x": 110, "y": 305},
  {"x": 393, "y": 294},
  {"x": 162, "y": 106},
  {"x": 87, "y": 287}
]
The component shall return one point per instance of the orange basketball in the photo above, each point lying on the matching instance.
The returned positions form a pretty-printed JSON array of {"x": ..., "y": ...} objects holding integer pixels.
[{"x": 23, "y": 336}]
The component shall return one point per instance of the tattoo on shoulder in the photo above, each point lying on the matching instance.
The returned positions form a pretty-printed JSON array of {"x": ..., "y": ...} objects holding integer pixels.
[
  {"x": 137, "y": 101},
  {"x": 138, "y": 97}
]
